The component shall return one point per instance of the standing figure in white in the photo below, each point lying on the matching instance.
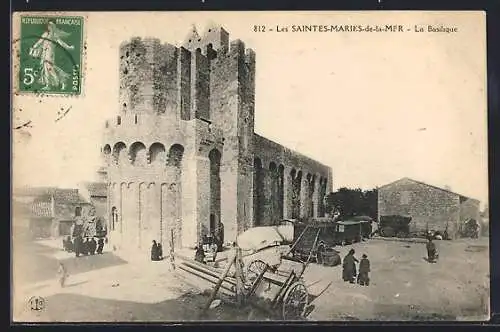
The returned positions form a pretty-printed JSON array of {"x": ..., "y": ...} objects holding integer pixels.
[{"x": 44, "y": 48}]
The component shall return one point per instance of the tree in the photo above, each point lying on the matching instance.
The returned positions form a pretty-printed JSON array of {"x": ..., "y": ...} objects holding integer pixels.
[{"x": 353, "y": 202}]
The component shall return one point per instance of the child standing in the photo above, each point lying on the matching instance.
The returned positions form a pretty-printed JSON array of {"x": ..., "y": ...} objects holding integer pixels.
[
  {"x": 364, "y": 269},
  {"x": 63, "y": 274}
]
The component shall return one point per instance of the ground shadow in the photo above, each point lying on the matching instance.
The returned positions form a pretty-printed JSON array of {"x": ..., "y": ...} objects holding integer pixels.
[
  {"x": 76, "y": 284},
  {"x": 402, "y": 312},
  {"x": 476, "y": 248},
  {"x": 428, "y": 261},
  {"x": 314, "y": 297},
  {"x": 34, "y": 262},
  {"x": 188, "y": 307}
]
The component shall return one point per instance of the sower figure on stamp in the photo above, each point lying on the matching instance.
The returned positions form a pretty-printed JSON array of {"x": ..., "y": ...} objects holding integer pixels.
[{"x": 50, "y": 74}]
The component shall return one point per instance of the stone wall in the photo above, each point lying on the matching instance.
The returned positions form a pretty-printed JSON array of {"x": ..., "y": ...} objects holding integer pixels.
[
  {"x": 198, "y": 98},
  {"x": 155, "y": 178},
  {"x": 431, "y": 208},
  {"x": 287, "y": 184}
]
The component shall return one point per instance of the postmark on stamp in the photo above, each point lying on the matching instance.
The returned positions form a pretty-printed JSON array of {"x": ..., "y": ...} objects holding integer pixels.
[{"x": 50, "y": 57}]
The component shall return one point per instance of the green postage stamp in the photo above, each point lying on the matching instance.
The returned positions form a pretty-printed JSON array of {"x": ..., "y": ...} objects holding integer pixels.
[{"x": 50, "y": 59}]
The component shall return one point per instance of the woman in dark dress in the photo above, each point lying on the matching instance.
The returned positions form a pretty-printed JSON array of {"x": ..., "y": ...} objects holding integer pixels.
[
  {"x": 349, "y": 267},
  {"x": 154, "y": 251},
  {"x": 159, "y": 251},
  {"x": 199, "y": 256}
]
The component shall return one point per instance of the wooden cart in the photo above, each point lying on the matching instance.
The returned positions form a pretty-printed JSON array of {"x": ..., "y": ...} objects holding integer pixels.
[
  {"x": 274, "y": 285},
  {"x": 283, "y": 289}
]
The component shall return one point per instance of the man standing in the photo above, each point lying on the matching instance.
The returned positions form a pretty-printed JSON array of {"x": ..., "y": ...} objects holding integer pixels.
[
  {"x": 100, "y": 245},
  {"x": 77, "y": 235},
  {"x": 431, "y": 251},
  {"x": 364, "y": 270},
  {"x": 63, "y": 274},
  {"x": 92, "y": 246}
]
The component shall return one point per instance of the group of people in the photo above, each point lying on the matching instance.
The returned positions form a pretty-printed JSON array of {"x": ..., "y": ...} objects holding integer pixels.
[
  {"x": 207, "y": 249},
  {"x": 84, "y": 232},
  {"x": 81, "y": 246},
  {"x": 349, "y": 272}
]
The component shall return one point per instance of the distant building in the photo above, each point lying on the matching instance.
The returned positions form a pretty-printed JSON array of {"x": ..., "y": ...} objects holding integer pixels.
[
  {"x": 96, "y": 193},
  {"x": 431, "y": 208},
  {"x": 47, "y": 211}
]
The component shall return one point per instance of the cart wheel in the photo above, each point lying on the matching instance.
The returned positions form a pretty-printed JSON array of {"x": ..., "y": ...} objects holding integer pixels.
[
  {"x": 295, "y": 301},
  {"x": 253, "y": 271}
]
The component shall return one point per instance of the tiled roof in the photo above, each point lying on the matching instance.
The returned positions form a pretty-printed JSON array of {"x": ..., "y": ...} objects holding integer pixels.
[
  {"x": 70, "y": 196},
  {"x": 98, "y": 189},
  {"x": 42, "y": 203},
  {"x": 428, "y": 185},
  {"x": 41, "y": 209}
]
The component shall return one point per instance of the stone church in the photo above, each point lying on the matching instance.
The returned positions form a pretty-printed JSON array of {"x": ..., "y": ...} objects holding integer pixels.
[{"x": 182, "y": 156}]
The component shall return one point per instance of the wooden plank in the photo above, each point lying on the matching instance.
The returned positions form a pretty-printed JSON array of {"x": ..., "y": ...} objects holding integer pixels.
[
  {"x": 239, "y": 277},
  {"x": 284, "y": 287},
  {"x": 200, "y": 275},
  {"x": 298, "y": 240},
  {"x": 219, "y": 283},
  {"x": 313, "y": 246},
  {"x": 209, "y": 272}
]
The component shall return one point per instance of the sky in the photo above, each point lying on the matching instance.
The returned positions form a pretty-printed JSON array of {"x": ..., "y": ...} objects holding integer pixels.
[{"x": 375, "y": 107}]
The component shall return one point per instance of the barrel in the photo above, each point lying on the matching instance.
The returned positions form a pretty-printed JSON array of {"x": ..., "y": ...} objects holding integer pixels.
[{"x": 331, "y": 258}]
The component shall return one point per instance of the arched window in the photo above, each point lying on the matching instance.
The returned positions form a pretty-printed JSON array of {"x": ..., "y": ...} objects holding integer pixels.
[{"x": 138, "y": 154}]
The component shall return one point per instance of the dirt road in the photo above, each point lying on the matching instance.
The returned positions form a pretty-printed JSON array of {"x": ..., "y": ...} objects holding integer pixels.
[{"x": 403, "y": 286}]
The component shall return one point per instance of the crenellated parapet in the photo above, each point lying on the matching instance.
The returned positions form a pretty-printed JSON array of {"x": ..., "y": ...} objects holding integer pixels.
[{"x": 207, "y": 77}]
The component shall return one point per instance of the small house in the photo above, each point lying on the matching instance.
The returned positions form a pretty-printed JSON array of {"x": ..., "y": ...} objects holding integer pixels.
[
  {"x": 52, "y": 210},
  {"x": 431, "y": 208}
]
